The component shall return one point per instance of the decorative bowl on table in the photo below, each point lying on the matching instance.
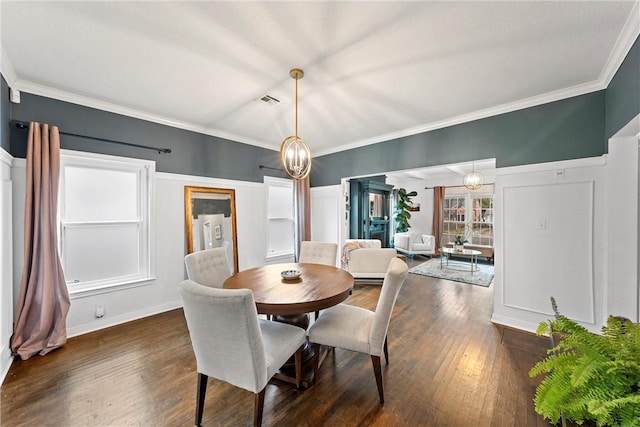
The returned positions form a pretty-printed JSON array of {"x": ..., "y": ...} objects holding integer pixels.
[{"x": 290, "y": 274}]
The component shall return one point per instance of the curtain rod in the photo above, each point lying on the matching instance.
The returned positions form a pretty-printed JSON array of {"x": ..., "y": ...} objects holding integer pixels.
[
  {"x": 24, "y": 125},
  {"x": 269, "y": 167}
]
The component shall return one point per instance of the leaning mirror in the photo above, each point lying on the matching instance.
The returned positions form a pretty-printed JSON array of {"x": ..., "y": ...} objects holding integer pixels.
[{"x": 210, "y": 215}]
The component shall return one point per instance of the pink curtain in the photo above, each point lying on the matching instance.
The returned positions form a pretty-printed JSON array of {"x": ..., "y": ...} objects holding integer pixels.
[
  {"x": 43, "y": 303},
  {"x": 302, "y": 210},
  {"x": 438, "y": 201}
]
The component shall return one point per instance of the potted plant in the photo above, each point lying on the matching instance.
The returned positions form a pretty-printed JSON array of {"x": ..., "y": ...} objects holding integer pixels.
[
  {"x": 459, "y": 243},
  {"x": 402, "y": 214},
  {"x": 590, "y": 377}
]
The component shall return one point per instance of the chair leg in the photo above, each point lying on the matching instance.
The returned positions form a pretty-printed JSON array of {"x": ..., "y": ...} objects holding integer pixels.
[
  {"x": 201, "y": 392},
  {"x": 386, "y": 351},
  {"x": 316, "y": 314},
  {"x": 316, "y": 361},
  {"x": 377, "y": 370},
  {"x": 259, "y": 406},
  {"x": 298, "y": 359}
]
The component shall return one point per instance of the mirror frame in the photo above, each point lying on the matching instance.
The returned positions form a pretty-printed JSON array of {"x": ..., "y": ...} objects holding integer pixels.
[{"x": 190, "y": 194}]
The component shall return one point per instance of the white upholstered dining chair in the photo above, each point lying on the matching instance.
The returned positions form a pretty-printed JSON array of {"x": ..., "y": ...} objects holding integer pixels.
[
  {"x": 231, "y": 344},
  {"x": 318, "y": 253},
  {"x": 209, "y": 267},
  {"x": 358, "y": 329}
]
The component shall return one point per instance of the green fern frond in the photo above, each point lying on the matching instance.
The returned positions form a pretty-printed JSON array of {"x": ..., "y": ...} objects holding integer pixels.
[{"x": 588, "y": 376}]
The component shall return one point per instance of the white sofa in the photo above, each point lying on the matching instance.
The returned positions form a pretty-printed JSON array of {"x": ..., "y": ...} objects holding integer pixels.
[
  {"x": 369, "y": 261},
  {"x": 414, "y": 243}
]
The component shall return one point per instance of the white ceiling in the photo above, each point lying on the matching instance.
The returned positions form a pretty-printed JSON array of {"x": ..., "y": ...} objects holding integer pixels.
[{"x": 373, "y": 70}]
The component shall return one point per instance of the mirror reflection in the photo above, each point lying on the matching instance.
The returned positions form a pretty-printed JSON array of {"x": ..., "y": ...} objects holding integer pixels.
[
  {"x": 376, "y": 208},
  {"x": 211, "y": 221}
]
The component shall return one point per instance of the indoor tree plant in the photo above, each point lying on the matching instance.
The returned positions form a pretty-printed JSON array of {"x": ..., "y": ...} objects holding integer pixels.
[
  {"x": 590, "y": 377},
  {"x": 402, "y": 214}
]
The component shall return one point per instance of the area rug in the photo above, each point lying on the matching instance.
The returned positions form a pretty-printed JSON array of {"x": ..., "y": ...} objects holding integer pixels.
[{"x": 458, "y": 271}]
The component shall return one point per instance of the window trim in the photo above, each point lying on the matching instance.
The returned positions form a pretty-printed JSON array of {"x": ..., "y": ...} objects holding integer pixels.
[
  {"x": 145, "y": 169},
  {"x": 468, "y": 215}
]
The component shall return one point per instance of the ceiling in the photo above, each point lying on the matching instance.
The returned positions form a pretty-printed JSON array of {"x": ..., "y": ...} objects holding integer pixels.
[{"x": 373, "y": 70}]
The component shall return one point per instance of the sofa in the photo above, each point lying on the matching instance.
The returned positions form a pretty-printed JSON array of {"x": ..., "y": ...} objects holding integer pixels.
[
  {"x": 366, "y": 258},
  {"x": 413, "y": 243}
]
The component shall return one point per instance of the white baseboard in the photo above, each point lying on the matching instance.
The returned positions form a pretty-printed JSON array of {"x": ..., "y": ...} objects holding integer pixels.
[
  {"x": 123, "y": 318},
  {"x": 514, "y": 323},
  {"x": 5, "y": 362}
]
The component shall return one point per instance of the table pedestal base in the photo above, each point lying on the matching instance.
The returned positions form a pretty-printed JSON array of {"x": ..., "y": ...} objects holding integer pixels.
[{"x": 288, "y": 371}]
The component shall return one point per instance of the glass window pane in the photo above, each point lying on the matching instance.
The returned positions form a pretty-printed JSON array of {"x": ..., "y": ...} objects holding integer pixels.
[
  {"x": 280, "y": 202},
  {"x": 92, "y": 194},
  {"x": 99, "y": 252},
  {"x": 280, "y": 236}
]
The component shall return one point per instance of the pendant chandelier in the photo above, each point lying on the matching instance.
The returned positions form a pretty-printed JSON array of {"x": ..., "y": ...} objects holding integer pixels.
[
  {"x": 294, "y": 151},
  {"x": 473, "y": 180}
]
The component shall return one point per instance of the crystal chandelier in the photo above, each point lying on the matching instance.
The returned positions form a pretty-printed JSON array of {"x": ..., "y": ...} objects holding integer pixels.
[
  {"x": 473, "y": 180},
  {"x": 294, "y": 151}
]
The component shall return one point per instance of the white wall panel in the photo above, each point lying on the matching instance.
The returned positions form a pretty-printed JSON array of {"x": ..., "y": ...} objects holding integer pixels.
[
  {"x": 548, "y": 248},
  {"x": 326, "y": 206},
  {"x": 169, "y": 238},
  {"x": 6, "y": 268},
  {"x": 622, "y": 197},
  {"x": 550, "y": 231}
]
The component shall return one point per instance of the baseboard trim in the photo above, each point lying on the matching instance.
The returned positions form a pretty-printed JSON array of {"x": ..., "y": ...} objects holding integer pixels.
[
  {"x": 123, "y": 318},
  {"x": 514, "y": 323},
  {"x": 6, "y": 359}
]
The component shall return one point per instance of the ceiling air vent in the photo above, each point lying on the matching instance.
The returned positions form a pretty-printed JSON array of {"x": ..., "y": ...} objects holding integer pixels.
[{"x": 268, "y": 99}]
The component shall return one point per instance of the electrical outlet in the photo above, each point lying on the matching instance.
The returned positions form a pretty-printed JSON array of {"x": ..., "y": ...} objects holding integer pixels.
[
  {"x": 541, "y": 224},
  {"x": 99, "y": 311}
]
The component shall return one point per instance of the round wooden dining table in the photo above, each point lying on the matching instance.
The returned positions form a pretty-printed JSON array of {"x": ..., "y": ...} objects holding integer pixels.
[
  {"x": 291, "y": 300},
  {"x": 318, "y": 287}
]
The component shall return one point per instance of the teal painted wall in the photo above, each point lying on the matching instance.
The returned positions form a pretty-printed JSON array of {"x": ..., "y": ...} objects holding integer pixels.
[
  {"x": 192, "y": 153},
  {"x": 572, "y": 128},
  {"x": 567, "y": 129},
  {"x": 623, "y": 93}
]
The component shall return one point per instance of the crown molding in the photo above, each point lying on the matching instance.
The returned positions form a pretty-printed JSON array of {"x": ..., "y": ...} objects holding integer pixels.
[
  {"x": 86, "y": 101},
  {"x": 480, "y": 114},
  {"x": 6, "y": 68},
  {"x": 623, "y": 45},
  {"x": 625, "y": 41}
]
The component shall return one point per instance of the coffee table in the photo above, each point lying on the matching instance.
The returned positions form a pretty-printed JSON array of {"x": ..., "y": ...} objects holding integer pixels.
[{"x": 472, "y": 254}]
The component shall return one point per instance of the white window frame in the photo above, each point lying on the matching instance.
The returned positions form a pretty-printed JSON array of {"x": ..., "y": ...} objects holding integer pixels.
[
  {"x": 285, "y": 183},
  {"x": 145, "y": 171},
  {"x": 468, "y": 216}
]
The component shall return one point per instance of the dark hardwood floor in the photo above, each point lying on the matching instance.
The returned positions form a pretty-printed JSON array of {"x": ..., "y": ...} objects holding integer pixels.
[{"x": 449, "y": 366}]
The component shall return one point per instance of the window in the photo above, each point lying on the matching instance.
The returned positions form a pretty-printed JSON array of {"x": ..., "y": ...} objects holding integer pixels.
[
  {"x": 477, "y": 227},
  {"x": 280, "y": 217},
  {"x": 482, "y": 221},
  {"x": 453, "y": 218},
  {"x": 104, "y": 220}
]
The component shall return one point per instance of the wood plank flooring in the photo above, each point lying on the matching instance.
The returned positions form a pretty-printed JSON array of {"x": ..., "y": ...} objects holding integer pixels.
[{"x": 449, "y": 366}]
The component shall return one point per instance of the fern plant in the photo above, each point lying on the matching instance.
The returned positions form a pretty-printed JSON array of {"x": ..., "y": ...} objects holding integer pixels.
[
  {"x": 590, "y": 377},
  {"x": 402, "y": 213}
]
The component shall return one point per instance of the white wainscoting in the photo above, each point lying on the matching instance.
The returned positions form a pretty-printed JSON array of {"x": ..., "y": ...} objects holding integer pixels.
[
  {"x": 169, "y": 249},
  {"x": 623, "y": 294},
  {"x": 550, "y": 241},
  {"x": 6, "y": 268},
  {"x": 326, "y": 204}
]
